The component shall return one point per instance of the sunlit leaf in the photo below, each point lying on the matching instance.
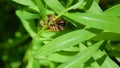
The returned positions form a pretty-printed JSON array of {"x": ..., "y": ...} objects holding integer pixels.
[
  {"x": 28, "y": 25},
  {"x": 69, "y": 2},
  {"x": 55, "y": 5},
  {"x": 33, "y": 63},
  {"x": 25, "y": 2},
  {"x": 77, "y": 5},
  {"x": 95, "y": 8},
  {"x": 108, "y": 63},
  {"x": 60, "y": 58},
  {"x": 113, "y": 10},
  {"x": 64, "y": 41},
  {"x": 81, "y": 57},
  {"x": 42, "y": 9},
  {"x": 30, "y": 64},
  {"x": 103, "y": 22},
  {"x": 29, "y": 16}
]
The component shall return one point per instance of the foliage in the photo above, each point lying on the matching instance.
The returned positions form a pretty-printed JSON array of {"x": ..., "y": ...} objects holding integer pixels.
[{"x": 90, "y": 39}]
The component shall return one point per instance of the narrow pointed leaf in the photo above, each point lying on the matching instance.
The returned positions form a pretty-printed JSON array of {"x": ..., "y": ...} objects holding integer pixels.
[
  {"x": 55, "y": 5},
  {"x": 69, "y": 2},
  {"x": 77, "y": 5},
  {"x": 64, "y": 41},
  {"x": 42, "y": 9},
  {"x": 103, "y": 60},
  {"x": 107, "y": 36},
  {"x": 33, "y": 63},
  {"x": 108, "y": 63},
  {"x": 81, "y": 57},
  {"x": 28, "y": 25},
  {"x": 104, "y": 22},
  {"x": 25, "y": 2},
  {"x": 95, "y": 8},
  {"x": 115, "y": 10}
]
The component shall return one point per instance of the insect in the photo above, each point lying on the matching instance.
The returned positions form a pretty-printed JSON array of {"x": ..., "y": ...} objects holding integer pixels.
[{"x": 57, "y": 25}]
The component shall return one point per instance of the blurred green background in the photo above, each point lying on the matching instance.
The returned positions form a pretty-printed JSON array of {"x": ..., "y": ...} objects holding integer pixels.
[
  {"x": 14, "y": 40},
  {"x": 13, "y": 37}
]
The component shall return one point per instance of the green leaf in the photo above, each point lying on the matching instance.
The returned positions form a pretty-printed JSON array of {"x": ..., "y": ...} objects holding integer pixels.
[
  {"x": 64, "y": 41},
  {"x": 72, "y": 49},
  {"x": 30, "y": 64},
  {"x": 25, "y": 2},
  {"x": 103, "y": 22},
  {"x": 88, "y": 4},
  {"x": 29, "y": 16},
  {"x": 98, "y": 1},
  {"x": 36, "y": 63},
  {"x": 42, "y": 9},
  {"x": 107, "y": 36},
  {"x": 116, "y": 47},
  {"x": 33, "y": 63},
  {"x": 55, "y": 5},
  {"x": 60, "y": 58},
  {"x": 115, "y": 10},
  {"x": 91, "y": 63},
  {"x": 108, "y": 63},
  {"x": 81, "y": 57},
  {"x": 77, "y": 5},
  {"x": 69, "y": 2},
  {"x": 103, "y": 60},
  {"x": 28, "y": 25},
  {"x": 118, "y": 58},
  {"x": 95, "y": 8}
]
